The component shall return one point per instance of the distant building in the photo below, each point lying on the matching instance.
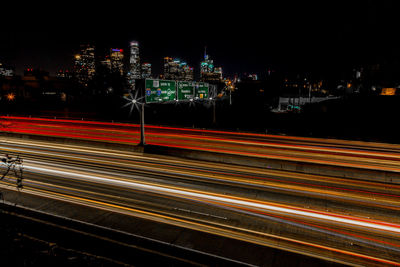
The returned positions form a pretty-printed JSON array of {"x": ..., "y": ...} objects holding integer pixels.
[
  {"x": 64, "y": 74},
  {"x": 188, "y": 73},
  {"x": 170, "y": 68},
  {"x": 106, "y": 63},
  {"x": 146, "y": 70},
  {"x": 253, "y": 77},
  {"x": 208, "y": 72},
  {"x": 117, "y": 61},
  {"x": 207, "y": 65},
  {"x": 84, "y": 64},
  {"x": 6, "y": 71},
  {"x": 295, "y": 103},
  {"x": 134, "y": 64},
  {"x": 38, "y": 73},
  {"x": 388, "y": 91},
  {"x": 219, "y": 72},
  {"x": 174, "y": 69}
]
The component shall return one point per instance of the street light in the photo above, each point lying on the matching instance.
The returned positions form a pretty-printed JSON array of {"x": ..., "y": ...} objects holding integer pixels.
[
  {"x": 135, "y": 101},
  {"x": 10, "y": 96}
]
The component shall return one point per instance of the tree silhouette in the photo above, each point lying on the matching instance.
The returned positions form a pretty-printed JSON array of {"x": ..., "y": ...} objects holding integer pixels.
[{"x": 13, "y": 165}]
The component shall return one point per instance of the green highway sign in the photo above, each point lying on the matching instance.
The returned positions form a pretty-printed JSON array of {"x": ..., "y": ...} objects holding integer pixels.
[
  {"x": 159, "y": 90},
  {"x": 185, "y": 90},
  {"x": 202, "y": 90}
]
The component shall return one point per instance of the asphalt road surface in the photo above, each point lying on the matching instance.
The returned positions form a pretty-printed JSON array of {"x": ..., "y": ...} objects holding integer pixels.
[{"x": 341, "y": 220}]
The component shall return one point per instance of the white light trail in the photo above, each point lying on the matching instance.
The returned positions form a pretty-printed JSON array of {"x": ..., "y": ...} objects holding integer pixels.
[{"x": 218, "y": 198}]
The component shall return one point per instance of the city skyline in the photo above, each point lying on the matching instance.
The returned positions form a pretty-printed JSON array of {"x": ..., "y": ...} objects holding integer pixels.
[
  {"x": 101, "y": 53},
  {"x": 290, "y": 36}
]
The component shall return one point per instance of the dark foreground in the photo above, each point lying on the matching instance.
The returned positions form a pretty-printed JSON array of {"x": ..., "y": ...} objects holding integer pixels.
[{"x": 32, "y": 239}]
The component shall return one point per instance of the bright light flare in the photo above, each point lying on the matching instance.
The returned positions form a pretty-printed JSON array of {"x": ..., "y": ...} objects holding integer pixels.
[
  {"x": 10, "y": 96},
  {"x": 133, "y": 101}
]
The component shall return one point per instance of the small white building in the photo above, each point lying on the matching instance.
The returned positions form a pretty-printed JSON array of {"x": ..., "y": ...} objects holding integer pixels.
[{"x": 295, "y": 103}]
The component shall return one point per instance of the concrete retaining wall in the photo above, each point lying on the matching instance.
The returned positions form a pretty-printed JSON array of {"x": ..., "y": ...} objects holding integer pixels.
[{"x": 295, "y": 166}]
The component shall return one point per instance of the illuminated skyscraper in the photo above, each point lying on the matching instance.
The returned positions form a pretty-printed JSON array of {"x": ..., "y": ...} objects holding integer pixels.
[
  {"x": 134, "y": 63},
  {"x": 206, "y": 66},
  {"x": 167, "y": 65},
  {"x": 84, "y": 64},
  {"x": 106, "y": 63},
  {"x": 218, "y": 70},
  {"x": 188, "y": 73},
  {"x": 117, "y": 61},
  {"x": 146, "y": 70},
  {"x": 171, "y": 66},
  {"x": 208, "y": 72},
  {"x": 175, "y": 69}
]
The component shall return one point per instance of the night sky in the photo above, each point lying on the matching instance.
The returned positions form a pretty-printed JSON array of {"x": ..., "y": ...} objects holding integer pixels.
[{"x": 299, "y": 36}]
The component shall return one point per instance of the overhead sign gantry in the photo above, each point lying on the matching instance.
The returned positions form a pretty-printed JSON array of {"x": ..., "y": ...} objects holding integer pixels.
[{"x": 159, "y": 90}]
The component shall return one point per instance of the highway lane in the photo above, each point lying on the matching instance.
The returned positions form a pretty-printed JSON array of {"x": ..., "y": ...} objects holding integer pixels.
[
  {"x": 363, "y": 155},
  {"x": 304, "y": 213},
  {"x": 125, "y": 129},
  {"x": 356, "y": 193},
  {"x": 128, "y": 128},
  {"x": 247, "y": 233},
  {"x": 251, "y": 232}
]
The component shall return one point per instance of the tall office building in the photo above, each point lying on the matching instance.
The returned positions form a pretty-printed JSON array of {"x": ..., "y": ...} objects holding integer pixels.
[
  {"x": 134, "y": 64},
  {"x": 84, "y": 64},
  {"x": 106, "y": 63},
  {"x": 170, "y": 68},
  {"x": 208, "y": 72},
  {"x": 206, "y": 66},
  {"x": 146, "y": 70},
  {"x": 117, "y": 61},
  {"x": 218, "y": 70},
  {"x": 175, "y": 69},
  {"x": 188, "y": 73}
]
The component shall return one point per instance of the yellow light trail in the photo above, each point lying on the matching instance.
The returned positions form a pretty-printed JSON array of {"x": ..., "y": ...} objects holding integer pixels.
[
  {"x": 223, "y": 178},
  {"x": 170, "y": 190},
  {"x": 238, "y": 233}
]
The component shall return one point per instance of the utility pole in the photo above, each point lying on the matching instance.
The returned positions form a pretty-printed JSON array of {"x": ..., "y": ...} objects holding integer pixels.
[
  {"x": 142, "y": 138},
  {"x": 298, "y": 102},
  {"x": 214, "y": 113}
]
